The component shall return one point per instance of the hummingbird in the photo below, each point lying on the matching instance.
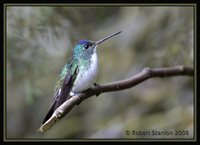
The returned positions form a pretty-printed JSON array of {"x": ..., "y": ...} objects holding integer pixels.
[{"x": 78, "y": 75}]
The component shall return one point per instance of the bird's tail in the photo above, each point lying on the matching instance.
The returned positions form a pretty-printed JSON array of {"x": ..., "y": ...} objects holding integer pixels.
[{"x": 49, "y": 114}]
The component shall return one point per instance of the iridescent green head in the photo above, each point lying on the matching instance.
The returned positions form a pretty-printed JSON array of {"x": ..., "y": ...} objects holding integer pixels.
[{"x": 85, "y": 48}]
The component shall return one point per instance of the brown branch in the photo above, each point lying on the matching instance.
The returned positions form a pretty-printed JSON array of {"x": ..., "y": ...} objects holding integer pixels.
[{"x": 145, "y": 74}]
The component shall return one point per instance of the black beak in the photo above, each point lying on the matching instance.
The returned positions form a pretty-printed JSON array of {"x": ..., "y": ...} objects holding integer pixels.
[{"x": 106, "y": 38}]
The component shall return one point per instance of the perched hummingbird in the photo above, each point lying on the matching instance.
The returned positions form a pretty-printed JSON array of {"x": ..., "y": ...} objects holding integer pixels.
[{"x": 78, "y": 74}]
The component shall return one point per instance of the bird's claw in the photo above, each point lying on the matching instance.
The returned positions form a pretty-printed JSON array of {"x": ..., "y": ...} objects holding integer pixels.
[{"x": 97, "y": 85}]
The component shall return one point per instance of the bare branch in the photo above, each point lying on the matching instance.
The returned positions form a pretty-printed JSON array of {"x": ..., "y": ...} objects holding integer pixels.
[{"x": 145, "y": 74}]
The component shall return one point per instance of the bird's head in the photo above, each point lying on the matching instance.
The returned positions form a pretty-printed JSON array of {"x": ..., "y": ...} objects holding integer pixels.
[{"x": 85, "y": 48}]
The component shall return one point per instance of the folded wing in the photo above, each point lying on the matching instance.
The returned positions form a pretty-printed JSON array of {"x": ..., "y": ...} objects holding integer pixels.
[{"x": 62, "y": 92}]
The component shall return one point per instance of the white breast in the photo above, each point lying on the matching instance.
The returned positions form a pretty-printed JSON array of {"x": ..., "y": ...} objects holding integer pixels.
[{"x": 86, "y": 80}]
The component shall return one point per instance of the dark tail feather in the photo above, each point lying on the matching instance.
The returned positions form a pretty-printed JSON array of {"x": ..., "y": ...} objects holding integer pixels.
[
  {"x": 61, "y": 98},
  {"x": 49, "y": 114}
]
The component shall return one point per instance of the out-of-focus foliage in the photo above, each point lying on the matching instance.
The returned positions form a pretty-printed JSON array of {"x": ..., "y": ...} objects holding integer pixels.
[{"x": 40, "y": 41}]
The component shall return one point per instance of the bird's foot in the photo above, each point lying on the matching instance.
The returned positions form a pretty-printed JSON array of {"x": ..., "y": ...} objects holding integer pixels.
[
  {"x": 91, "y": 89},
  {"x": 76, "y": 94},
  {"x": 80, "y": 98},
  {"x": 97, "y": 85}
]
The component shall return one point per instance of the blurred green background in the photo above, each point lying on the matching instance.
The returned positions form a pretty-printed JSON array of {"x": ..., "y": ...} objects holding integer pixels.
[{"x": 40, "y": 40}]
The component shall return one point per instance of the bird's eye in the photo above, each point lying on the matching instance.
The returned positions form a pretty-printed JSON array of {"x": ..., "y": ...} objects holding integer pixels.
[{"x": 86, "y": 46}]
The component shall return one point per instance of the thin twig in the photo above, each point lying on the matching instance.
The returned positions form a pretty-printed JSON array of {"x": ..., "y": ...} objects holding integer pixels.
[{"x": 145, "y": 74}]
